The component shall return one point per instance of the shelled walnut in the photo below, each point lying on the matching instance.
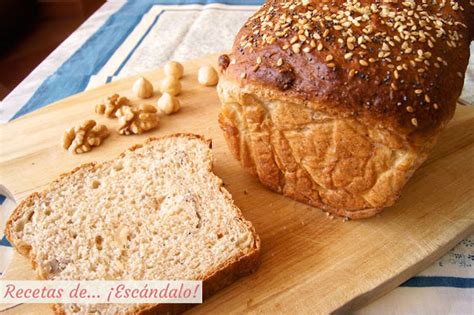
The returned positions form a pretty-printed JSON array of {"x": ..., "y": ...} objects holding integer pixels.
[
  {"x": 81, "y": 139},
  {"x": 110, "y": 106},
  {"x": 137, "y": 120}
]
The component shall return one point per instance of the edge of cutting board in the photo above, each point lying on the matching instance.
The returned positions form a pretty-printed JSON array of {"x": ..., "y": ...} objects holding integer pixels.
[{"x": 461, "y": 140}]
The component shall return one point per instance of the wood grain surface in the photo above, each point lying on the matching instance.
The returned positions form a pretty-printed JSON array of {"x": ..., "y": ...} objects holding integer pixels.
[{"x": 310, "y": 263}]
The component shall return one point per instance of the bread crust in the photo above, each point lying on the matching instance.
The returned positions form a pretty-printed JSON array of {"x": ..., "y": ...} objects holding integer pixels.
[
  {"x": 335, "y": 104},
  {"x": 338, "y": 164},
  {"x": 371, "y": 92},
  {"x": 223, "y": 275}
]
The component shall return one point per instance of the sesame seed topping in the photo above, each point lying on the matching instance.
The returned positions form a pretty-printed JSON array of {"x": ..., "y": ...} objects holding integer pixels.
[
  {"x": 410, "y": 36},
  {"x": 410, "y": 109},
  {"x": 395, "y": 74},
  {"x": 296, "y": 48}
]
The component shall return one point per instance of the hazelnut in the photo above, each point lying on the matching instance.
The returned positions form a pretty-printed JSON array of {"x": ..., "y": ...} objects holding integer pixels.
[
  {"x": 171, "y": 85},
  {"x": 168, "y": 104},
  {"x": 174, "y": 69},
  {"x": 142, "y": 88},
  {"x": 207, "y": 76}
]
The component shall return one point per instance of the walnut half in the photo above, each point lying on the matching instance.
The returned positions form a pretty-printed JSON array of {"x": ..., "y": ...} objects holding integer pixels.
[
  {"x": 81, "y": 139},
  {"x": 110, "y": 106},
  {"x": 137, "y": 120}
]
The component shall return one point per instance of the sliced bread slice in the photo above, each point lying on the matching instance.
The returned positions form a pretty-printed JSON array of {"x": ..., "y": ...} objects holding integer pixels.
[{"x": 155, "y": 212}]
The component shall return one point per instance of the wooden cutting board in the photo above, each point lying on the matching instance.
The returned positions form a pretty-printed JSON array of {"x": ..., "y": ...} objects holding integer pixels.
[{"x": 310, "y": 263}]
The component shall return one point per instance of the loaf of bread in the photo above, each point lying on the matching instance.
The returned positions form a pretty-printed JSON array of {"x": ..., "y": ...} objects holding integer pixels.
[
  {"x": 155, "y": 212},
  {"x": 337, "y": 103}
]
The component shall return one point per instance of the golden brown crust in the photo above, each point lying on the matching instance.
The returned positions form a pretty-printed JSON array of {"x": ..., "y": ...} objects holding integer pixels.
[
  {"x": 336, "y": 104},
  {"x": 389, "y": 63},
  {"x": 340, "y": 164},
  {"x": 221, "y": 277},
  {"x": 213, "y": 281}
]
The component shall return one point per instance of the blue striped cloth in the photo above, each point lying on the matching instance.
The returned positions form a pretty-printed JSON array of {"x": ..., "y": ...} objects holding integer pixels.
[{"x": 127, "y": 37}]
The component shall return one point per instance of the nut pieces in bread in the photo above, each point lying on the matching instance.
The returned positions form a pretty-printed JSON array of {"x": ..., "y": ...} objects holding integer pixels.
[
  {"x": 137, "y": 120},
  {"x": 83, "y": 138},
  {"x": 111, "y": 105},
  {"x": 127, "y": 214}
]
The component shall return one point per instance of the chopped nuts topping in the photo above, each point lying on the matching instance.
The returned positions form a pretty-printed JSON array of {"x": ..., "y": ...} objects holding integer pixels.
[{"x": 82, "y": 138}]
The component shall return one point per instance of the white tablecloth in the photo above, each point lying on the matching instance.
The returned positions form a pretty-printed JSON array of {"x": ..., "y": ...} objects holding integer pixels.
[{"x": 127, "y": 37}]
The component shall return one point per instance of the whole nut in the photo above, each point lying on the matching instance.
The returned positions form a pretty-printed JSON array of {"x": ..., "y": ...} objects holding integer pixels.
[
  {"x": 171, "y": 85},
  {"x": 110, "y": 105},
  {"x": 137, "y": 120},
  {"x": 208, "y": 76},
  {"x": 174, "y": 69},
  {"x": 81, "y": 139},
  {"x": 168, "y": 104},
  {"x": 142, "y": 88}
]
